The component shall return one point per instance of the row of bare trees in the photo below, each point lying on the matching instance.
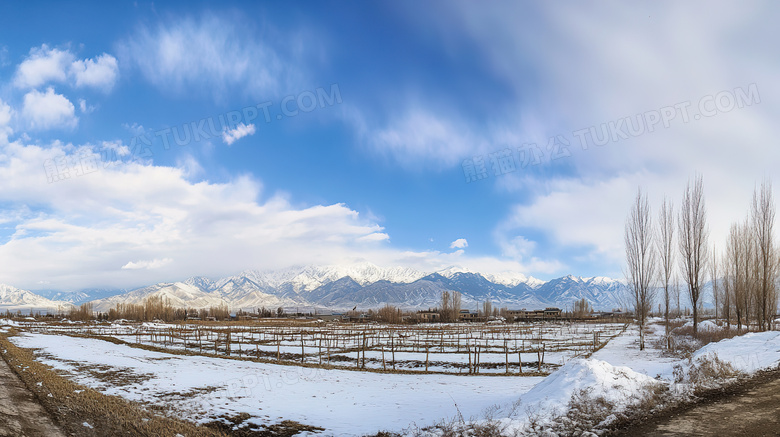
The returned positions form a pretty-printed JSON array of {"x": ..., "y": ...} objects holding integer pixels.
[
  {"x": 744, "y": 279},
  {"x": 157, "y": 308},
  {"x": 747, "y": 292}
]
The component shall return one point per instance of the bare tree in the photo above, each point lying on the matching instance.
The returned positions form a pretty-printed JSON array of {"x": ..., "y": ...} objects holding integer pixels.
[
  {"x": 640, "y": 260},
  {"x": 677, "y": 295},
  {"x": 763, "y": 219},
  {"x": 446, "y": 304},
  {"x": 727, "y": 292},
  {"x": 665, "y": 243},
  {"x": 455, "y": 306},
  {"x": 582, "y": 308},
  {"x": 693, "y": 243},
  {"x": 389, "y": 314},
  {"x": 736, "y": 265},
  {"x": 749, "y": 272},
  {"x": 716, "y": 295},
  {"x": 487, "y": 309},
  {"x": 450, "y": 306}
]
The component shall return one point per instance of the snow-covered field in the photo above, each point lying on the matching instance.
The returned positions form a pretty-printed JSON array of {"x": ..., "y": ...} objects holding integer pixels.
[
  {"x": 344, "y": 402},
  {"x": 348, "y": 403}
]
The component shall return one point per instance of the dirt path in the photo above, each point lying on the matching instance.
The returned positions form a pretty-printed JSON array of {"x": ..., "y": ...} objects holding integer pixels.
[
  {"x": 751, "y": 410},
  {"x": 20, "y": 414}
]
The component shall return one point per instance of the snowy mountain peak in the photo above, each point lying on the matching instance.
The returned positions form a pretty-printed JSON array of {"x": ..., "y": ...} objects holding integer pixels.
[
  {"x": 601, "y": 280},
  {"x": 451, "y": 271},
  {"x": 513, "y": 279},
  {"x": 200, "y": 282}
]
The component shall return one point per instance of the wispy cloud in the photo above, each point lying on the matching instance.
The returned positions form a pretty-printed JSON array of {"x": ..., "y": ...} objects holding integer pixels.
[
  {"x": 230, "y": 136},
  {"x": 5, "y": 120},
  {"x": 215, "y": 51}
]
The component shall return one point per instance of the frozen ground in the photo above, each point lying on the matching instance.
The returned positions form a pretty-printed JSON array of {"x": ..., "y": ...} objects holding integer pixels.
[{"x": 355, "y": 403}]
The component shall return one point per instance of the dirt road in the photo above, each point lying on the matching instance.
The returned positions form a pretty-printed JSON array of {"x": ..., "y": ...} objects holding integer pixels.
[
  {"x": 751, "y": 410},
  {"x": 20, "y": 414}
]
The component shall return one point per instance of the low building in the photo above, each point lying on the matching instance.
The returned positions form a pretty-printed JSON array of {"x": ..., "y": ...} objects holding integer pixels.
[
  {"x": 545, "y": 314},
  {"x": 429, "y": 316},
  {"x": 468, "y": 316}
]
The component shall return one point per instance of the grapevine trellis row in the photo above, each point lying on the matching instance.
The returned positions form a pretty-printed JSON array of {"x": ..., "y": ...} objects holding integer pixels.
[{"x": 459, "y": 348}]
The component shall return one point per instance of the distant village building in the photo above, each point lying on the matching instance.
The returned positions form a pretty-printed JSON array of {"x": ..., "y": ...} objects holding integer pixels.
[
  {"x": 468, "y": 316},
  {"x": 331, "y": 317},
  {"x": 545, "y": 314},
  {"x": 429, "y": 316}
]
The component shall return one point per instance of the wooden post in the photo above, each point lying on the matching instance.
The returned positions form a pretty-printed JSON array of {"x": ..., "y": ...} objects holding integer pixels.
[
  {"x": 476, "y": 357},
  {"x": 506, "y": 352},
  {"x": 520, "y": 361},
  {"x": 363, "y": 366},
  {"x": 468, "y": 351},
  {"x": 392, "y": 348},
  {"x": 426, "y": 357}
]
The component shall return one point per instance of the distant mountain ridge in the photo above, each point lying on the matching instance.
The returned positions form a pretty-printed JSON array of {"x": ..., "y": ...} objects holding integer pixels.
[{"x": 344, "y": 287}]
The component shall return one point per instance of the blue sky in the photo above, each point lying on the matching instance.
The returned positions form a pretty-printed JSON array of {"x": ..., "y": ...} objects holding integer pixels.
[{"x": 390, "y": 108}]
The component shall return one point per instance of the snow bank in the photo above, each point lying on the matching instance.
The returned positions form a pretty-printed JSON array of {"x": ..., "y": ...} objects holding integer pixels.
[
  {"x": 704, "y": 326},
  {"x": 618, "y": 385},
  {"x": 747, "y": 353}
]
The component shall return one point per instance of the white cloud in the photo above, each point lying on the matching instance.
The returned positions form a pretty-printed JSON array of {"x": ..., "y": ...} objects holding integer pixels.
[
  {"x": 48, "y": 110},
  {"x": 4, "y": 56},
  {"x": 629, "y": 60},
  {"x": 189, "y": 166},
  {"x": 45, "y": 65},
  {"x": 376, "y": 236},
  {"x": 84, "y": 107},
  {"x": 147, "y": 264},
  {"x": 420, "y": 135},
  {"x": 100, "y": 73},
  {"x": 42, "y": 66},
  {"x": 216, "y": 51},
  {"x": 460, "y": 243},
  {"x": 518, "y": 247},
  {"x": 5, "y": 119},
  {"x": 123, "y": 225},
  {"x": 230, "y": 136}
]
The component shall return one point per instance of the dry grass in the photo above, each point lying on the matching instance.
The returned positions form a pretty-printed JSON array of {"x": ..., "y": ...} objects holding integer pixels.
[
  {"x": 684, "y": 343},
  {"x": 706, "y": 373}
]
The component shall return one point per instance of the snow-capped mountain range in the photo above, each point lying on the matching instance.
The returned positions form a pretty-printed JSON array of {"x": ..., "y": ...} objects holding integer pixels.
[
  {"x": 12, "y": 299},
  {"x": 344, "y": 287}
]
